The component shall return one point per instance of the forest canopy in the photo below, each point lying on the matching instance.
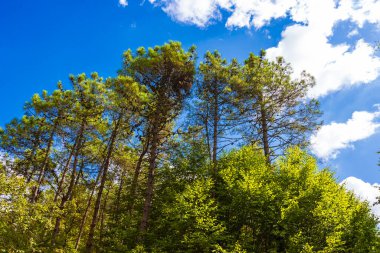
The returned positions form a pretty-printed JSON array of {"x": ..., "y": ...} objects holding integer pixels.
[{"x": 175, "y": 155}]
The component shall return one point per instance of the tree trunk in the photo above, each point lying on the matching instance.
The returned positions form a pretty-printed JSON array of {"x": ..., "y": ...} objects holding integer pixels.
[
  {"x": 150, "y": 184},
  {"x": 264, "y": 122},
  {"x": 118, "y": 195},
  {"x": 215, "y": 130},
  {"x": 41, "y": 176},
  {"x": 102, "y": 215},
  {"x": 31, "y": 159},
  {"x": 78, "y": 145},
  {"x": 59, "y": 189},
  {"x": 264, "y": 128},
  {"x": 136, "y": 177},
  {"x": 89, "y": 244},
  {"x": 207, "y": 133},
  {"x": 77, "y": 178},
  {"x": 83, "y": 222}
]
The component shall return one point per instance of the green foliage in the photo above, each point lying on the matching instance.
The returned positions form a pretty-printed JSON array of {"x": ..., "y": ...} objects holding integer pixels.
[
  {"x": 23, "y": 225},
  {"x": 291, "y": 206},
  {"x": 190, "y": 221},
  {"x": 109, "y": 166},
  {"x": 275, "y": 106},
  {"x": 214, "y": 110}
]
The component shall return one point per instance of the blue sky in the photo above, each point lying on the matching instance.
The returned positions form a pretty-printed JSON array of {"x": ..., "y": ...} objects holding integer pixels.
[{"x": 43, "y": 41}]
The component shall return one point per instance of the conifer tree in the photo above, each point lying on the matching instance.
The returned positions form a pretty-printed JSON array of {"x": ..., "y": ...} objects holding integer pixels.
[
  {"x": 105, "y": 165},
  {"x": 167, "y": 72},
  {"x": 83, "y": 121},
  {"x": 275, "y": 107},
  {"x": 126, "y": 98},
  {"x": 215, "y": 110}
]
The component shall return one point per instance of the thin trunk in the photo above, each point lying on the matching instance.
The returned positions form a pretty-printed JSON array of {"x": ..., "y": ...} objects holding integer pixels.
[
  {"x": 30, "y": 163},
  {"x": 102, "y": 215},
  {"x": 136, "y": 177},
  {"x": 264, "y": 128},
  {"x": 150, "y": 185},
  {"x": 83, "y": 222},
  {"x": 63, "y": 202},
  {"x": 89, "y": 244},
  {"x": 215, "y": 130},
  {"x": 67, "y": 196},
  {"x": 44, "y": 164},
  {"x": 118, "y": 195},
  {"x": 77, "y": 178},
  {"x": 207, "y": 134},
  {"x": 60, "y": 184},
  {"x": 264, "y": 122},
  {"x": 81, "y": 142}
]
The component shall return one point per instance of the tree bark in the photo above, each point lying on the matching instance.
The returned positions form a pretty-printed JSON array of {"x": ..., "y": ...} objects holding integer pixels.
[
  {"x": 31, "y": 159},
  {"x": 45, "y": 163},
  {"x": 59, "y": 189},
  {"x": 136, "y": 177},
  {"x": 207, "y": 133},
  {"x": 264, "y": 128},
  {"x": 118, "y": 196},
  {"x": 83, "y": 222},
  {"x": 102, "y": 215},
  {"x": 89, "y": 244},
  {"x": 150, "y": 183},
  {"x": 78, "y": 145},
  {"x": 215, "y": 129}
]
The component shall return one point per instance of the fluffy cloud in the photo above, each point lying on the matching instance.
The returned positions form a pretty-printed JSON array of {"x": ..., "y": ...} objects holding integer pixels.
[
  {"x": 257, "y": 13},
  {"x": 330, "y": 139},
  {"x": 198, "y": 12},
  {"x": 244, "y": 13},
  {"x": 247, "y": 13},
  {"x": 364, "y": 191},
  {"x": 362, "y": 11},
  {"x": 123, "y": 3},
  {"x": 305, "y": 44},
  {"x": 334, "y": 67},
  {"x": 353, "y": 33}
]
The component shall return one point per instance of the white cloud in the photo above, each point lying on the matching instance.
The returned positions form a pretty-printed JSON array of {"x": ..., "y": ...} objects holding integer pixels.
[
  {"x": 305, "y": 44},
  {"x": 247, "y": 13},
  {"x": 353, "y": 33},
  {"x": 364, "y": 191},
  {"x": 257, "y": 13},
  {"x": 334, "y": 67},
  {"x": 362, "y": 11},
  {"x": 198, "y": 12},
  {"x": 330, "y": 139},
  {"x": 123, "y": 3},
  {"x": 244, "y": 13}
]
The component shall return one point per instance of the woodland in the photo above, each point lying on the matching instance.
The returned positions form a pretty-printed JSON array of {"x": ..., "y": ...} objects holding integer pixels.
[{"x": 175, "y": 153}]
